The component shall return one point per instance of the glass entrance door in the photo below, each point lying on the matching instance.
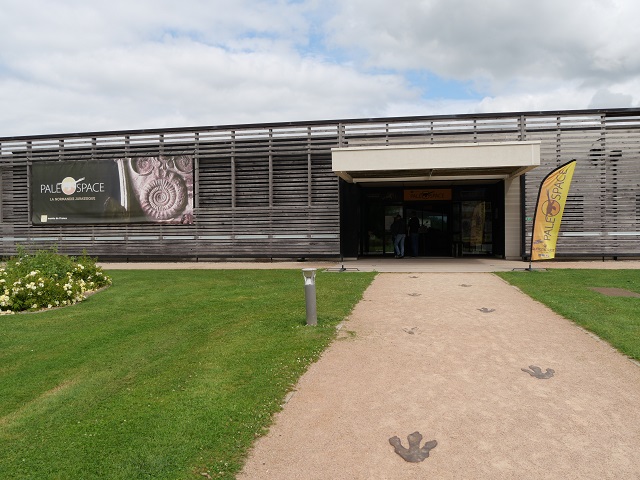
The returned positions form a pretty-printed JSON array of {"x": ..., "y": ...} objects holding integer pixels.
[
  {"x": 468, "y": 222},
  {"x": 434, "y": 230},
  {"x": 434, "y": 235},
  {"x": 377, "y": 236}
]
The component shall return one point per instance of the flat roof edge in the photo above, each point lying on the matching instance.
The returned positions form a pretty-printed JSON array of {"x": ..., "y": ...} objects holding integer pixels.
[
  {"x": 613, "y": 112},
  {"x": 435, "y": 145}
]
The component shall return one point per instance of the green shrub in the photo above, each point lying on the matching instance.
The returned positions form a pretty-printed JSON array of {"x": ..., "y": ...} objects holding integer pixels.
[{"x": 47, "y": 279}]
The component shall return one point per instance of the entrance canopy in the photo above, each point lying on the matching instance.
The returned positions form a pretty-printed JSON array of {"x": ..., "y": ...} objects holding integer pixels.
[{"x": 440, "y": 162}]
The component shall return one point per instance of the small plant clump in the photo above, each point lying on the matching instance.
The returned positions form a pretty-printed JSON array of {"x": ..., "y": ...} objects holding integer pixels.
[{"x": 47, "y": 279}]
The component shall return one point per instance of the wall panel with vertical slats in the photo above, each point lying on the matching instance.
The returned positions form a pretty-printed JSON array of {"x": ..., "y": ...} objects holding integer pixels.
[{"x": 269, "y": 191}]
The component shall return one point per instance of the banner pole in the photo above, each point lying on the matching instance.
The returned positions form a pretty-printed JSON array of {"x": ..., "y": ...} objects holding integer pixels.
[{"x": 533, "y": 224}]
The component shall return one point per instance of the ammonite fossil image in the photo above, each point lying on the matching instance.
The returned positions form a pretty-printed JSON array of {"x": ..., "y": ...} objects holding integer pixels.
[
  {"x": 162, "y": 188},
  {"x": 183, "y": 163},
  {"x": 143, "y": 165},
  {"x": 163, "y": 198}
]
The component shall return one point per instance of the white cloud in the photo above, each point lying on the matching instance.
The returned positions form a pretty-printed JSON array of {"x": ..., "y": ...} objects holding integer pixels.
[
  {"x": 605, "y": 98},
  {"x": 187, "y": 83},
  {"x": 517, "y": 55},
  {"x": 150, "y": 64},
  {"x": 494, "y": 38},
  {"x": 74, "y": 65}
]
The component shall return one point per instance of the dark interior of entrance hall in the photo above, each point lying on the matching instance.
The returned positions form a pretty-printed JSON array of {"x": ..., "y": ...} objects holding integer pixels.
[{"x": 457, "y": 220}]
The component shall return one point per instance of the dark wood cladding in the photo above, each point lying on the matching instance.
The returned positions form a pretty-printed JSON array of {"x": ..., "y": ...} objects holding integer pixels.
[
  {"x": 259, "y": 193},
  {"x": 602, "y": 214},
  {"x": 267, "y": 190}
]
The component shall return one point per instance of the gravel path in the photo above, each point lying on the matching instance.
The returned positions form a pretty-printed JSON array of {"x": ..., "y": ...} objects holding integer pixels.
[{"x": 443, "y": 354}]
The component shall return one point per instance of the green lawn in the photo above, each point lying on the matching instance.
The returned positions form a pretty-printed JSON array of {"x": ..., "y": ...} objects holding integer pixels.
[
  {"x": 164, "y": 375},
  {"x": 568, "y": 292}
]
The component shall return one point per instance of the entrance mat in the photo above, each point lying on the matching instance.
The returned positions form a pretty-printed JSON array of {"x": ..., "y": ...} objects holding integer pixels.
[{"x": 615, "y": 292}]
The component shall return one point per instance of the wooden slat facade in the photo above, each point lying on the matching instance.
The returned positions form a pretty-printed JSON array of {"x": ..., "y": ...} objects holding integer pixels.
[
  {"x": 268, "y": 191},
  {"x": 260, "y": 193},
  {"x": 602, "y": 215}
]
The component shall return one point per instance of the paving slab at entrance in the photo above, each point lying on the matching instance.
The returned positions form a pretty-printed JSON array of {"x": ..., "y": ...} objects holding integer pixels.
[{"x": 451, "y": 355}]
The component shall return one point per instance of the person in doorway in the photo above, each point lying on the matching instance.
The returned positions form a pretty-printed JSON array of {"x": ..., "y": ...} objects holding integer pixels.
[
  {"x": 414, "y": 234},
  {"x": 398, "y": 232}
]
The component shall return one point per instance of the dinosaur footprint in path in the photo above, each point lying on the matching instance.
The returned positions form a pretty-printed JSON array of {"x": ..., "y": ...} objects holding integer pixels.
[
  {"x": 487, "y": 310},
  {"x": 414, "y": 453},
  {"x": 537, "y": 372}
]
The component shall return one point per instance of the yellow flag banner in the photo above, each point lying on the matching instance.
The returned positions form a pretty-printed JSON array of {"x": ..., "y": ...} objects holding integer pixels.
[{"x": 552, "y": 198}]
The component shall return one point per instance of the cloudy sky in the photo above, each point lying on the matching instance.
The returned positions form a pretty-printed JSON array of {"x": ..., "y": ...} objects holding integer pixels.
[{"x": 91, "y": 65}]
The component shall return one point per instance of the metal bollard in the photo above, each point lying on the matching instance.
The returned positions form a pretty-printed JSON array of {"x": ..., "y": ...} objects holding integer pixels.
[{"x": 309, "y": 275}]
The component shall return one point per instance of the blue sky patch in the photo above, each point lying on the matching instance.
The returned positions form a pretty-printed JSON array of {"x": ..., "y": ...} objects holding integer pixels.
[{"x": 435, "y": 87}]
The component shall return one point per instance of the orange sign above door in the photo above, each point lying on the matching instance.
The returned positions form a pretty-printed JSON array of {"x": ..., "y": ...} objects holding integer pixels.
[{"x": 427, "y": 194}]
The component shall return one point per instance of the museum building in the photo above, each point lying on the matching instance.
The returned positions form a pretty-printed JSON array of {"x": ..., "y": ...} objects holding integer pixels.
[{"x": 325, "y": 189}]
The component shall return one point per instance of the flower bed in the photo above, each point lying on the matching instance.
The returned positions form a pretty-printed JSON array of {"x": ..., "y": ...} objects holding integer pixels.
[{"x": 47, "y": 279}]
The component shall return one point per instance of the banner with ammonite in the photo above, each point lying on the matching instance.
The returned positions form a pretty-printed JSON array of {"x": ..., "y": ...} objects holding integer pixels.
[{"x": 156, "y": 189}]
